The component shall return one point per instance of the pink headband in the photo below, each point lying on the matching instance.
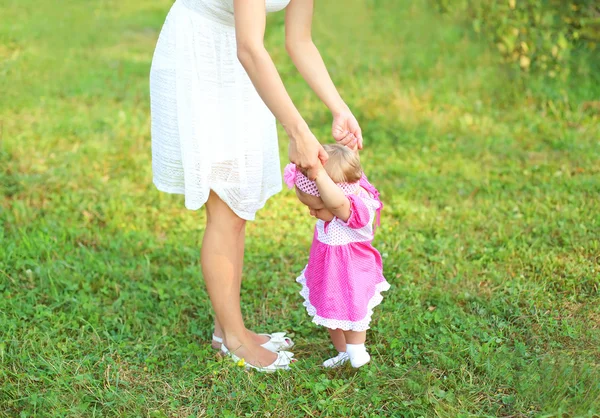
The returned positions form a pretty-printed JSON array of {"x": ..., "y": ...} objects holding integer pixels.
[{"x": 293, "y": 177}]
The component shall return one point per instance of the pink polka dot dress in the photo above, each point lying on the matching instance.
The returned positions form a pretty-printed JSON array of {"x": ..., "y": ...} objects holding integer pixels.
[{"x": 343, "y": 279}]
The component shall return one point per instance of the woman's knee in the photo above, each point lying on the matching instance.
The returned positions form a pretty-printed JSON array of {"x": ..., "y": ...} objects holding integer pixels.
[{"x": 219, "y": 214}]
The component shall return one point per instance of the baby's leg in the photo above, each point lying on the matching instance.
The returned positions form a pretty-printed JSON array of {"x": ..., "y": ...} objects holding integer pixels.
[
  {"x": 338, "y": 339},
  {"x": 355, "y": 347},
  {"x": 339, "y": 342}
]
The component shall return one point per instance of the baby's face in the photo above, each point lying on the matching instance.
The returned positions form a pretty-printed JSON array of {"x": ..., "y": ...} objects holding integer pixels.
[{"x": 315, "y": 206}]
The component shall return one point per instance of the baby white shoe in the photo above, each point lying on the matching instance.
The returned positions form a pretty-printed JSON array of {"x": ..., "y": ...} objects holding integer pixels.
[
  {"x": 358, "y": 355},
  {"x": 337, "y": 361}
]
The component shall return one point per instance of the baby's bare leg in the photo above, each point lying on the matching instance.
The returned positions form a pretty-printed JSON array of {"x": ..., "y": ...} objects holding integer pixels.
[
  {"x": 355, "y": 337},
  {"x": 338, "y": 339}
]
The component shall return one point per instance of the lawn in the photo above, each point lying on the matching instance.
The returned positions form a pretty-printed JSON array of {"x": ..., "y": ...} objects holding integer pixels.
[{"x": 490, "y": 232}]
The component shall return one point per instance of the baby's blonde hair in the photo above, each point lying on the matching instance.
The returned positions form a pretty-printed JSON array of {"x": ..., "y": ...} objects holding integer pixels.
[{"x": 343, "y": 165}]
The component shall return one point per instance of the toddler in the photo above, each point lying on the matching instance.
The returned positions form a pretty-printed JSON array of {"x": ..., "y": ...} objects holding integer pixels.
[{"x": 343, "y": 279}]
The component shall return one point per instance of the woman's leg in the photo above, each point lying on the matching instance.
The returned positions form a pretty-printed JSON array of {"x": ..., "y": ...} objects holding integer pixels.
[
  {"x": 241, "y": 241},
  {"x": 221, "y": 258}
]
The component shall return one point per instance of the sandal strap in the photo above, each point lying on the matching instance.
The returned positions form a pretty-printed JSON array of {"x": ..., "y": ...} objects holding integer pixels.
[
  {"x": 277, "y": 342},
  {"x": 282, "y": 362}
]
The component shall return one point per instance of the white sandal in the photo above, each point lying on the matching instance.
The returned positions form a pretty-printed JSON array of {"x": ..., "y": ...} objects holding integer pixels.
[
  {"x": 217, "y": 340},
  {"x": 282, "y": 362},
  {"x": 277, "y": 342}
]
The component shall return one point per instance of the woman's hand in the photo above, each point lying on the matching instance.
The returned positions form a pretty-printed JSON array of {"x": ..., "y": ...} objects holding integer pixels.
[
  {"x": 346, "y": 131},
  {"x": 307, "y": 153}
]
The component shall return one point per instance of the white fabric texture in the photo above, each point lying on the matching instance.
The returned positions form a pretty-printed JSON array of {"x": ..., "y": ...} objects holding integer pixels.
[
  {"x": 210, "y": 128},
  {"x": 338, "y": 233}
]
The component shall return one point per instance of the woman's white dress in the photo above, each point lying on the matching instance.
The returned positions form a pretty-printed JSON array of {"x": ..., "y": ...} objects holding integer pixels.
[{"x": 210, "y": 128}]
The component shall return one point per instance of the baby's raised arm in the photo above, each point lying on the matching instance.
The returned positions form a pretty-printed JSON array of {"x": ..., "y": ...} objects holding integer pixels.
[{"x": 333, "y": 197}]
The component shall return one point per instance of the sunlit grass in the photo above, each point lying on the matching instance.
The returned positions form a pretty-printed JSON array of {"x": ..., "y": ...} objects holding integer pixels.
[{"x": 490, "y": 228}]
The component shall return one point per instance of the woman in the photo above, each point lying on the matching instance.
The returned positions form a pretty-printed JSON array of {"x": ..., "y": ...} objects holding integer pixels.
[{"x": 215, "y": 94}]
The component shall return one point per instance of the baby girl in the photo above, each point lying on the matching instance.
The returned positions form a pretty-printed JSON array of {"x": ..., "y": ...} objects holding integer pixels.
[{"x": 343, "y": 280}]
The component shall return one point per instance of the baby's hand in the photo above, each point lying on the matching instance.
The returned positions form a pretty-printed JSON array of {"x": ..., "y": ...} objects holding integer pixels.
[{"x": 320, "y": 170}]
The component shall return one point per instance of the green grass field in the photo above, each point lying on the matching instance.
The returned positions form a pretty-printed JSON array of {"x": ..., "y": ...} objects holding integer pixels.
[{"x": 490, "y": 231}]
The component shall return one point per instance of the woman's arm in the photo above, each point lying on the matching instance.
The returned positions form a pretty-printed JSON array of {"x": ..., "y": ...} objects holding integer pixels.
[
  {"x": 308, "y": 61},
  {"x": 250, "y": 18},
  {"x": 333, "y": 197}
]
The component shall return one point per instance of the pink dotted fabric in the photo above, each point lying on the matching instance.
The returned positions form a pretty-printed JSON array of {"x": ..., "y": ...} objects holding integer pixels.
[
  {"x": 343, "y": 280},
  {"x": 293, "y": 177}
]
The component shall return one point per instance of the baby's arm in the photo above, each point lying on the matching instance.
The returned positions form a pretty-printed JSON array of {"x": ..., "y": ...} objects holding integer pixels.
[{"x": 333, "y": 197}]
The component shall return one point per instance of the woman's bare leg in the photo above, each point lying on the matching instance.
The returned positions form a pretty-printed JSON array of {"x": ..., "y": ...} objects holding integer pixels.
[
  {"x": 260, "y": 339},
  {"x": 221, "y": 264},
  {"x": 241, "y": 241}
]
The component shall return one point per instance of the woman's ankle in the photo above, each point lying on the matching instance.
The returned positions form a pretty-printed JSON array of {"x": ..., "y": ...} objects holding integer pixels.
[
  {"x": 217, "y": 333},
  {"x": 235, "y": 340},
  {"x": 218, "y": 338},
  {"x": 249, "y": 350}
]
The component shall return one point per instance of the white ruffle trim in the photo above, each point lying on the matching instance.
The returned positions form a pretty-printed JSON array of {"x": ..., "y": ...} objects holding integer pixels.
[{"x": 345, "y": 325}]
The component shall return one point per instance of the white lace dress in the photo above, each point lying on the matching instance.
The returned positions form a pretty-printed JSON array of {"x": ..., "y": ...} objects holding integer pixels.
[{"x": 210, "y": 128}]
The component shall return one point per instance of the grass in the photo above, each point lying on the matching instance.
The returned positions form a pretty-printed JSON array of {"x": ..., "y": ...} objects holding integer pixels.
[{"x": 490, "y": 230}]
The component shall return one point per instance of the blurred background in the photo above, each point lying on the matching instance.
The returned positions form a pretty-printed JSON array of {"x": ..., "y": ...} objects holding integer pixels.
[{"x": 481, "y": 125}]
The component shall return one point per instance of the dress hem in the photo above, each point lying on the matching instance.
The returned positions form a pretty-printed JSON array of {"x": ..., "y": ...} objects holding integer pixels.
[
  {"x": 346, "y": 325},
  {"x": 248, "y": 216}
]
